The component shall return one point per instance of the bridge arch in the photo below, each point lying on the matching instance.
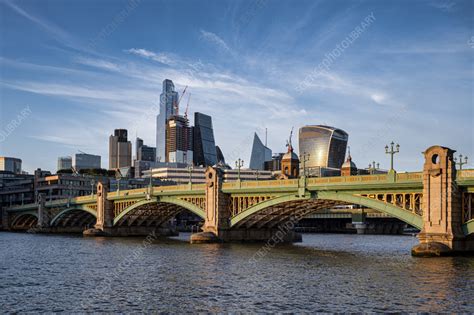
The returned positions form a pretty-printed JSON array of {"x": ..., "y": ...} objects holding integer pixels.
[
  {"x": 336, "y": 197},
  {"x": 25, "y": 220},
  {"x": 81, "y": 212},
  {"x": 185, "y": 205}
]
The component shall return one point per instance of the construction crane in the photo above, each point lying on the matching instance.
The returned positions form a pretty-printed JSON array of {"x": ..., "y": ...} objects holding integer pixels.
[
  {"x": 187, "y": 135},
  {"x": 176, "y": 105},
  {"x": 187, "y": 107}
]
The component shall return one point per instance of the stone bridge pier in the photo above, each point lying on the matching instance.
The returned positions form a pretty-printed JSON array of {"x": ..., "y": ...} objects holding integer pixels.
[
  {"x": 217, "y": 226},
  {"x": 442, "y": 210}
]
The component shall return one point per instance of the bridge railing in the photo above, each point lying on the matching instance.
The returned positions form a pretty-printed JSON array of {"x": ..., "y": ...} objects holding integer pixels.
[
  {"x": 464, "y": 174},
  {"x": 261, "y": 183}
]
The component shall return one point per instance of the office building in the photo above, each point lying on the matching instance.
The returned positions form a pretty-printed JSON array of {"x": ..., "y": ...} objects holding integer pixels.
[
  {"x": 120, "y": 150},
  {"x": 179, "y": 143},
  {"x": 275, "y": 163},
  {"x": 64, "y": 163},
  {"x": 144, "y": 152},
  {"x": 62, "y": 186},
  {"x": 205, "y": 153},
  {"x": 16, "y": 189},
  {"x": 197, "y": 174},
  {"x": 10, "y": 164},
  {"x": 145, "y": 158},
  {"x": 168, "y": 108},
  {"x": 326, "y": 148},
  {"x": 86, "y": 161},
  {"x": 260, "y": 154}
]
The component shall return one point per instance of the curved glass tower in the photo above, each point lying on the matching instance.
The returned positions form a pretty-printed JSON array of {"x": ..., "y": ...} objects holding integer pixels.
[{"x": 325, "y": 145}]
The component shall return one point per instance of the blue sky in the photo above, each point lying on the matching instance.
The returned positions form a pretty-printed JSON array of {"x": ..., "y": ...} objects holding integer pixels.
[{"x": 84, "y": 68}]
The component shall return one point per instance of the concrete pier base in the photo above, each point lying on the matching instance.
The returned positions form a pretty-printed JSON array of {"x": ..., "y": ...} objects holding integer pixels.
[
  {"x": 131, "y": 231},
  {"x": 360, "y": 228},
  {"x": 204, "y": 238},
  {"x": 433, "y": 249}
]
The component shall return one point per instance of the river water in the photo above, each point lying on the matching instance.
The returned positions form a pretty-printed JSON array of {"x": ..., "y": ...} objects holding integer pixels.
[{"x": 326, "y": 272}]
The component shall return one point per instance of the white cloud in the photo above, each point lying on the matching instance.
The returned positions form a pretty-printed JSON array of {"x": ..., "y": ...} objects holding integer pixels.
[
  {"x": 213, "y": 38},
  {"x": 97, "y": 63},
  {"x": 163, "y": 58}
]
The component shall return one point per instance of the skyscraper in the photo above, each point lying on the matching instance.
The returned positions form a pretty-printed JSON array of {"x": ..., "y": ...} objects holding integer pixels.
[
  {"x": 144, "y": 152},
  {"x": 10, "y": 164},
  {"x": 204, "y": 145},
  {"x": 86, "y": 161},
  {"x": 325, "y": 145},
  {"x": 168, "y": 100},
  {"x": 260, "y": 154},
  {"x": 120, "y": 150},
  {"x": 64, "y": 163},
  {"x": 179, "y": 143}
]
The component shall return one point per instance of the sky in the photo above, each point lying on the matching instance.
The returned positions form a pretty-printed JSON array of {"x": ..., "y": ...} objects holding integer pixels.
[{"x": 73, "y": 71}]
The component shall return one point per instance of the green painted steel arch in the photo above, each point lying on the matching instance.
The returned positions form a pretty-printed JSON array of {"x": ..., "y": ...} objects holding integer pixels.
[
  {"x": 263, "y": 205},
  {"x": 468, "y": 227},
  {"x": 187, "y": 205},
  {"x": 82, "y": 208},
  {"x": 402, "y": 214},
  {"x": 33, "y": 213}
]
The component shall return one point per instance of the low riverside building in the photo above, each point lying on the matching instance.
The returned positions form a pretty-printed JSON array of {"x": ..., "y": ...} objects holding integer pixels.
[{"x": 182, "y": 175}]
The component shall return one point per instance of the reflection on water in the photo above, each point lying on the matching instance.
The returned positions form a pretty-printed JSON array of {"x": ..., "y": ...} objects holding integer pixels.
[{"x": 326, "y": 272}]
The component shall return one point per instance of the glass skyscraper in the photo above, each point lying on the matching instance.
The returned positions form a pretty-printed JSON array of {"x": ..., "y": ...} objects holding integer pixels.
[
  {"x": 260, "y": 154},
  {"x": 325, "y": 145},
  {"x": 168, "y": 100},
  {"x": 204, "y": 145},
  {"x": 64, "y": 163}
]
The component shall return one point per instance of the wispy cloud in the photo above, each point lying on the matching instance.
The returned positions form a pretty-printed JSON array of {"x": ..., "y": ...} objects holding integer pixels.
[
  {"x": 166, "y": 59},
  {"x": 216, "y": 40},
  {"x": 97, "y": 63},
  {"x": 49, "y": 27},
  {"x": 444, "y": 5}
]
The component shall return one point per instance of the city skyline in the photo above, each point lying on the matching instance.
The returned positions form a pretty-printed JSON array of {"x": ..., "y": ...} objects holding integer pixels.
[{"x": 79, "y": 81}]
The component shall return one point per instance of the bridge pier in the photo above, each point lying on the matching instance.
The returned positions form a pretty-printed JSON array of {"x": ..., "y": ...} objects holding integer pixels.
[
  {"x": 442, "y": 233},
  {"x": 105, "y": 213},
  {"x": 217, "y": 222}
]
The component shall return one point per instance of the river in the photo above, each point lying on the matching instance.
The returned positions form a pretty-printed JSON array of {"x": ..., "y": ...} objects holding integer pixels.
[{"x": 326, "y": 272}]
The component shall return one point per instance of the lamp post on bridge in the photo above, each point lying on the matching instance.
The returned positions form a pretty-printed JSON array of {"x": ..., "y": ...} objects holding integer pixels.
[
  {"x": 238, "y": 164},
  {"x": 190, "y": 170},
  {"x": 256, "y": 174},
  {"x": 392, "y": 152},
  {"x": 460, "y": 163},
  {"x": 92, "y": 187},
  {"x": 118, "y": 177},
  {"x": 150, "y": 186},
  {"x": 373, "y": 167}
]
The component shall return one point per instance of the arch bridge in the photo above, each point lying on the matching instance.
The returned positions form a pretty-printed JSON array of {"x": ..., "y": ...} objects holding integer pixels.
[{"x": 438, "y": 201}]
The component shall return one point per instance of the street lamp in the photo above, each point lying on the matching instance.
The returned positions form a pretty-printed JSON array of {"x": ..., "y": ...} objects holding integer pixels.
[
  {"x": 460, "y": 163},
  {"x": 373, "y": 167},
  {"x": 118, "y": 176},
  {"x": 92, "y": 187},
  {"x": 238, "y": 164},
  {"x": 392, "y": 152},
  {"x": 190, "y": 170},
  {"x": 256, "y": 174}
]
